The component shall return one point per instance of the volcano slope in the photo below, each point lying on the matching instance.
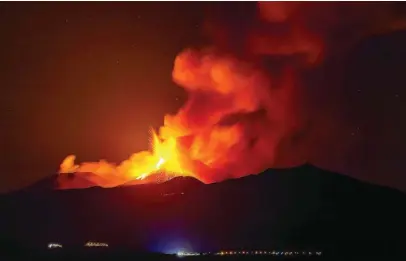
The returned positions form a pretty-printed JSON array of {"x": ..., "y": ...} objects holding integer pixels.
[{"x": 298, "y": 208}]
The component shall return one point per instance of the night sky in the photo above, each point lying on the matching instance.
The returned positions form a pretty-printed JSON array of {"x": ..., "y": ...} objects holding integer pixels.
[{"x": 91, "y": 78}]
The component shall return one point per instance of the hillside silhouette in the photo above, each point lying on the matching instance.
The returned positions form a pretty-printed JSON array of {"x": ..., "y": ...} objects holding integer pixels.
[{"x": 298, "y": 208}]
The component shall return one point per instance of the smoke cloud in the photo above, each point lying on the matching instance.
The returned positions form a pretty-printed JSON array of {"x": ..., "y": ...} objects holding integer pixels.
[
  {"x": 254, "y": 75},
  {"x": 248, "y": 105}
]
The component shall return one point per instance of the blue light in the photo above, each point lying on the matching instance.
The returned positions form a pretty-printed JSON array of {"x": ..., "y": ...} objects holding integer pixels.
[{"x": 171, "y": 245}]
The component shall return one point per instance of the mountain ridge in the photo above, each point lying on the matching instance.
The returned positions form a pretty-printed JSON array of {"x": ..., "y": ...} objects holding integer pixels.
[
  {"x": 51, "y": 181},
  {"x": 302, "y": 207}
]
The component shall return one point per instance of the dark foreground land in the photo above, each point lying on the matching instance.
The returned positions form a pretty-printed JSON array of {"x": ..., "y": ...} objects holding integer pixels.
[{"x": 290, "y": 209}]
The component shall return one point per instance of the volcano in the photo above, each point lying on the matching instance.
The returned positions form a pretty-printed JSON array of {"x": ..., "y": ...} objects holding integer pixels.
[{"x": 298, "y": 208}]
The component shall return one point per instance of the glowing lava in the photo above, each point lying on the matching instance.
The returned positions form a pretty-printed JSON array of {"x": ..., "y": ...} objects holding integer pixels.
[
  {"x": 164, "y": 157},
  {"x": 195, "y": 141}
]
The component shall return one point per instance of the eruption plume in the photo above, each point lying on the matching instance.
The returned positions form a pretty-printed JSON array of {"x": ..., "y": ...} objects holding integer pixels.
[{"x": 243, "y": 114}]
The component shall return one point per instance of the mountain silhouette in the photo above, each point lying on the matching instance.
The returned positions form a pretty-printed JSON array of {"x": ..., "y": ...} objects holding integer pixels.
[{"x": 298, "y": 208}]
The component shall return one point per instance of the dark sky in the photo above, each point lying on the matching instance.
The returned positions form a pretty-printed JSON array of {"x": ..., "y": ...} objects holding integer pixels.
[
  {"x": 91, "y": 78},
  {"x": 88, "y": 79}
]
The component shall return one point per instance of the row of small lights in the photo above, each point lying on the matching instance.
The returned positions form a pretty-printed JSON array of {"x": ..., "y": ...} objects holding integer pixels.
[
  {"x": 274, "y": 253},
  {"x": 242, "y": 253},
  {"x": 88, "y": 244},
  {"x": 222, "y": 253}
]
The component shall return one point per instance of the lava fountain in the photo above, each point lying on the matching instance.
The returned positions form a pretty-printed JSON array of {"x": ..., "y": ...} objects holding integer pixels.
[
  {"x": 164, "y": 156},
  {"x": 239, "y": 117},
  {"x": 194, "y": 142}
]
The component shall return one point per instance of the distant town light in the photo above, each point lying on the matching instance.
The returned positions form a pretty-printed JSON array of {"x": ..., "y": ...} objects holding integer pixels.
[
  {"x": 96, "y": 244},
  {"x": 181, "y": 253},
  {"x": 54, "y": 245}
]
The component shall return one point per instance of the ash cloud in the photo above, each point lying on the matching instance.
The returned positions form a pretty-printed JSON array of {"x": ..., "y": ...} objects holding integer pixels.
[{"x": 251, "y": 104}]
